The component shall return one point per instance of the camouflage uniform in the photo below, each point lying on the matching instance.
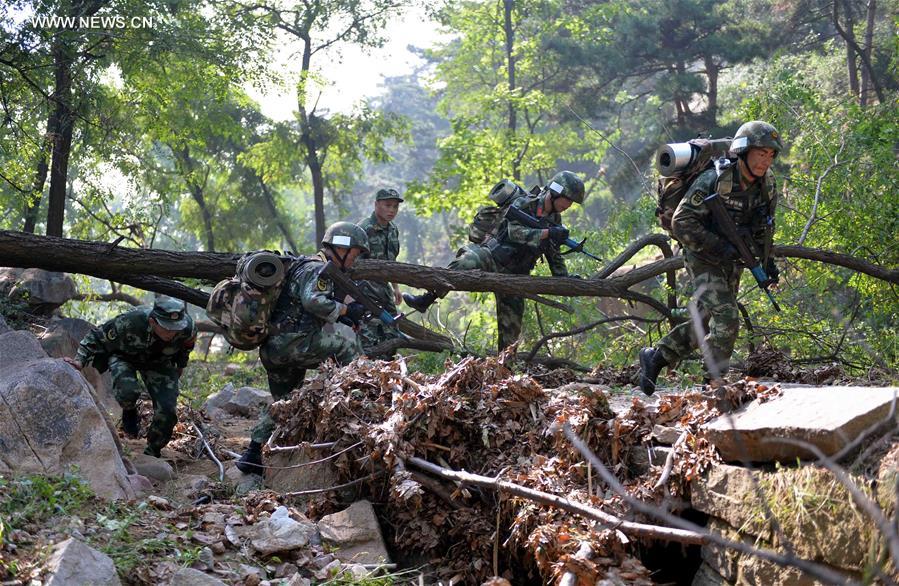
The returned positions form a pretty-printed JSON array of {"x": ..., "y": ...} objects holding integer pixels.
[
  {"x": 710, "y": 261},
  {"x": 384, "y": 244},
  {"x": 515, "y": 250},
  {"x": 126, "y": 346},
  {"x": 305, "y": 334}
]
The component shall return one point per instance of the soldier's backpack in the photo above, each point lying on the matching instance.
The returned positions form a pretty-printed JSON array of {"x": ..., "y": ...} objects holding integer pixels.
[
  {"x": 679, "y": 164},
  {"x": 487, "y": 219},
  {"x": 243, "y": 304}
]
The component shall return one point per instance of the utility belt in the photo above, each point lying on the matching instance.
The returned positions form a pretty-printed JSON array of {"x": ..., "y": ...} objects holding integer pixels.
[{"x": 511, "y": 258}]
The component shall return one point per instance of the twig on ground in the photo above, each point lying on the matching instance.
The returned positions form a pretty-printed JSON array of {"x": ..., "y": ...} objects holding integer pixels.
[
  {"x": 358, "y": 481},
  {"x": 210, "y": 451},
  {"x": 638, "y": 529}
]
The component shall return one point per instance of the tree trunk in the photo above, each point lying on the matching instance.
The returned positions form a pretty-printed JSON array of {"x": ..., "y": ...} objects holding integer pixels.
[
  {"x": 18, "y": 249},
  {"x": 279, "y": 221},
  {"x": 869, "y": 49},
  {"x": 62, "y": 136},
  {"x": 307, "y": 130},
  {"x": 33, "y": 206},
  {"x": 711, "y": 71},
  {"x": 510, "y": 60},
  {"x": 197, "y": 193},
  {"x": 849, "y": 37}
]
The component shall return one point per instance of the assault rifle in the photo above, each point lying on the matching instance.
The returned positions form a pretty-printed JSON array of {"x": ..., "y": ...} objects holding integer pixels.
[
  {"x": 348, "y": 286},
  {"x": 532, "y": 222},
  {"x": 731, "y": 233}
]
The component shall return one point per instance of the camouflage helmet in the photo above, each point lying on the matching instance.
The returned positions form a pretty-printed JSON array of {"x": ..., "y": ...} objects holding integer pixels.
[
  {"x": 347, "y": 235},
  {"x": 170, "y": 313},
  {"x": 756, "y": 134},
  {"x": 568, "y": 185}
]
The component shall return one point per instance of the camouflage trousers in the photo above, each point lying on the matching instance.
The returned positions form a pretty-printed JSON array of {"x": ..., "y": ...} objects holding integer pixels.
[
  {"x": 375, "y": 332},
  {"x": 715, "y": 289},
  {"x": 162, "y": 386},
  {"x": 509, "y": 308},
  {"x": 286, "y": 357}
]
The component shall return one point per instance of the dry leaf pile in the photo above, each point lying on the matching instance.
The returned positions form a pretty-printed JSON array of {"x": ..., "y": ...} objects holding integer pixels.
[{"x": 480, "y": 417}]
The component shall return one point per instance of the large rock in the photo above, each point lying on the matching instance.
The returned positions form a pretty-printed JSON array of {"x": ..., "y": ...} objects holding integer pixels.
[
  {"x": 285, "y": 476},
  {"x": 815, "y": 512},
  {"x": 43, "y": 291},
  {"x": 280, "y": 533},
  {"x": 155, "y": 469},
  {"x": 62, "y": 338},
  {"x": 49, "y": 421},
  {"x": 826, "y": 417},
  {"x": 243, "y": 402},
  {"x": 18, "y": 348},
  {"x": 356, "y": 534},
  {"x": 73, "y": 562}
]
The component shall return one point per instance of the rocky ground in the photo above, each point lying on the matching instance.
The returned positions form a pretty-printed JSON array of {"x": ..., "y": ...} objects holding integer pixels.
[{"x": 347, "y": 500}]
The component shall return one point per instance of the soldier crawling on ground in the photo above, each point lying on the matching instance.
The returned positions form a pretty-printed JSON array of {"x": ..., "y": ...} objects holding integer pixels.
[
  {"x": 383, "y": 244},
  {"x": 516, "y": 248},
  {"x": 154, "y": 342},
  {"x": 746, "y": 188}
]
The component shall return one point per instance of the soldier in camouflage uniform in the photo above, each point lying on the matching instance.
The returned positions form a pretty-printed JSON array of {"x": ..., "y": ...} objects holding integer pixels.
[
  {"x": 310, "y": 325},
  {"x": 516, "y": 250},
  {"x": 384, "y": 244},
  {"x": 747, "y": 190},
  {"x": 153, "y": 341}
]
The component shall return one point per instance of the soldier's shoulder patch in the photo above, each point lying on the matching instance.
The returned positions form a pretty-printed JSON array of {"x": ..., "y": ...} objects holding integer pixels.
[
  {"x": 697, "y": 198},
  {"x": 111, "y": 332},
  {"x": 322, "y": 284}
]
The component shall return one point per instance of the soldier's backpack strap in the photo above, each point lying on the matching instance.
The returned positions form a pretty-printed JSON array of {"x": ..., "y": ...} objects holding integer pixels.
[{"x": 725, "y": 182}]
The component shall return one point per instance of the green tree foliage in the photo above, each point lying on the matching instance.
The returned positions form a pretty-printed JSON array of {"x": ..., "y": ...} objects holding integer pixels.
[{"x": 502, "y": 125}]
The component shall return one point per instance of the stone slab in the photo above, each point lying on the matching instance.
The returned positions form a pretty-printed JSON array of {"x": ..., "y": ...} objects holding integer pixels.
[
  {"x": 826, "y": 417},
  {"x": 356, "y": 533}
]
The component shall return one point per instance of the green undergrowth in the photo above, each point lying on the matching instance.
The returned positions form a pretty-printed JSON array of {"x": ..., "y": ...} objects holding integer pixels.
[
  {"x": 132, "y": 534},
  {"x": 202, "y": 379}
]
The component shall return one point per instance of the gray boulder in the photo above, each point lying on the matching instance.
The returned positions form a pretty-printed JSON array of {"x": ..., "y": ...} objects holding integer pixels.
[
  {"x": 62, "y": 339},
  {"x": 43, "y": 291},
  {"x": 243, "y": 402},
  {"x": 156, "y": 469},
  {"x": 49, "y": 421},
  {"x": 280, "y": 533},
  {"x": 356, "y": 534},
  {"x": 73, "y": 562}
]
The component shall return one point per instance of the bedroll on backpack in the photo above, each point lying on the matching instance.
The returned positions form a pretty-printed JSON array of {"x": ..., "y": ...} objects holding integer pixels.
[
  {"x": 243, "y": 304},
  {"x": 679, "y": 164},
  {"x": 487, "y": 218}
]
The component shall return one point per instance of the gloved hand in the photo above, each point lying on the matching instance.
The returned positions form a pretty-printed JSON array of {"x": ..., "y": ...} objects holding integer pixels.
[
  {"x": 558, "y": 234},
  {"x": 355, "y": 311},
  {"x": 772, "y": 271}
]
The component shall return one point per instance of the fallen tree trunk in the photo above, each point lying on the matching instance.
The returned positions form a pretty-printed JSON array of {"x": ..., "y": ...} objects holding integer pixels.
[{"x": 18, "y": 249}]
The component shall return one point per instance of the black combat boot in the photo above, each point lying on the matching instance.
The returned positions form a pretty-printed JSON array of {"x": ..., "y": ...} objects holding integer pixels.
[
  {"x": 420, "y": 302},
  {"x": 251, "y": 461},
  {"x": 131, "y": 422},
  {"x": 651, "y": 363}
]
